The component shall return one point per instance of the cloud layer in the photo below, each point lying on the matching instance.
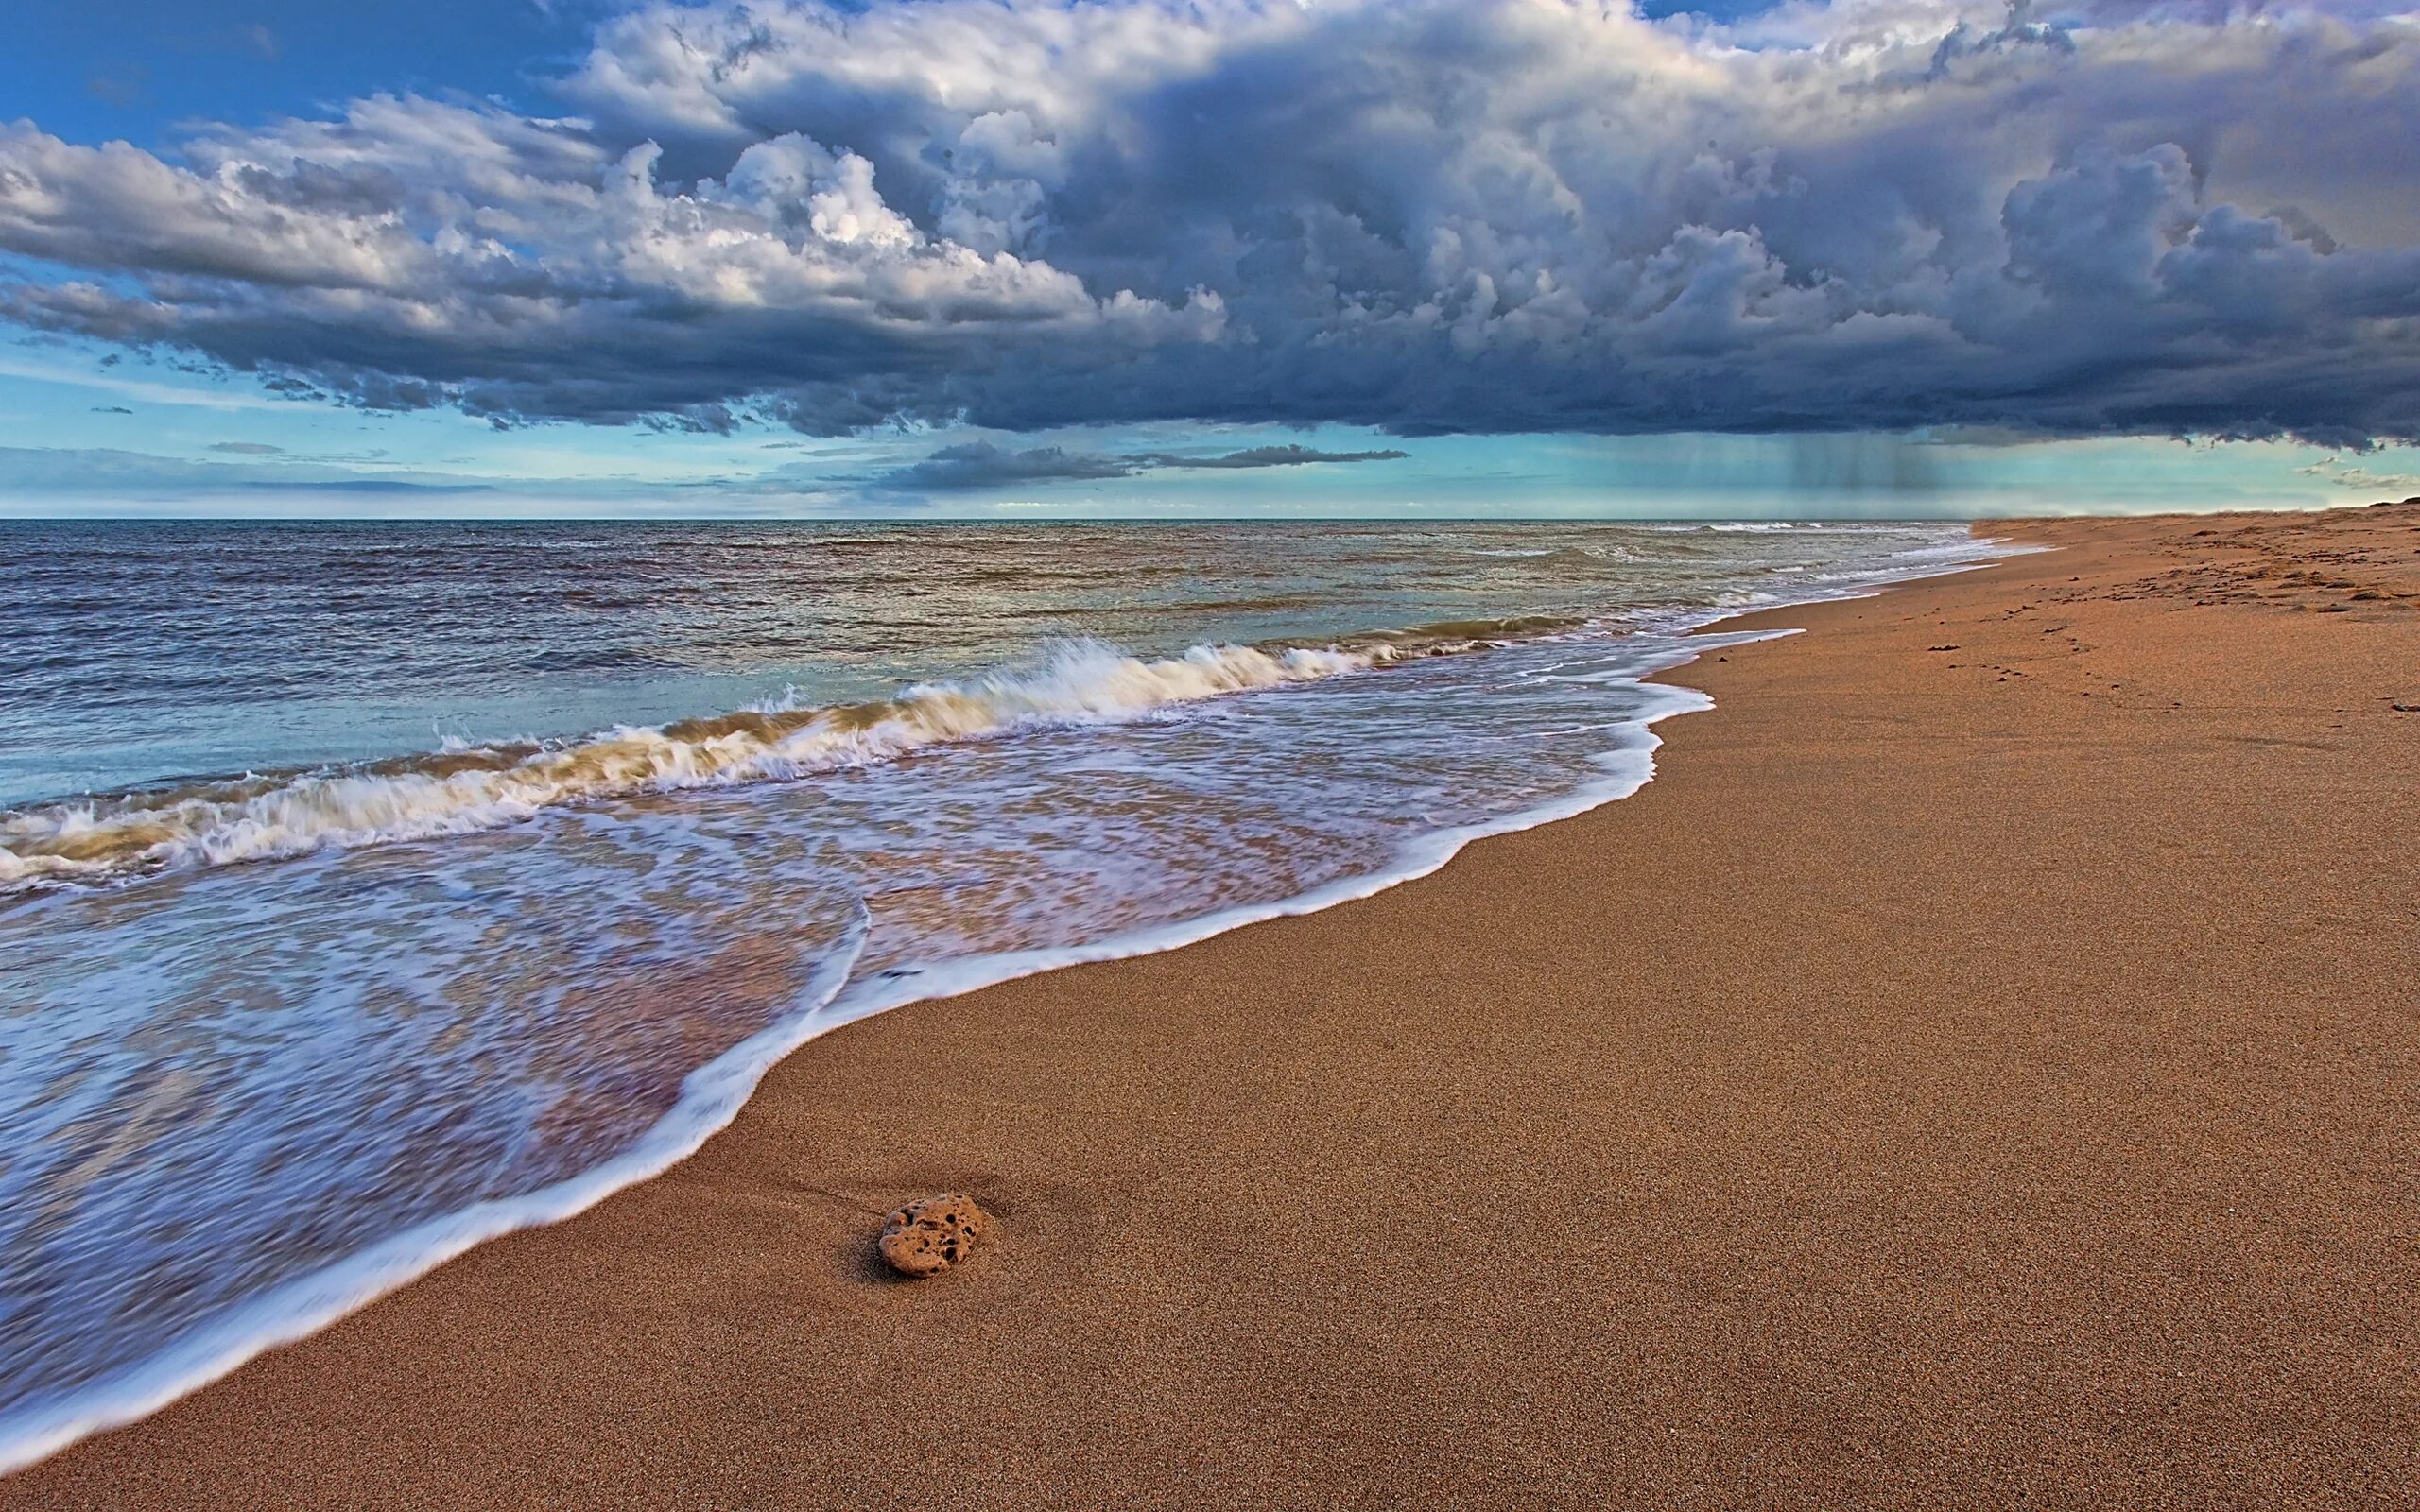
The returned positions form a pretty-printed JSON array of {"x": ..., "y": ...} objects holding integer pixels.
[
  {"x": 988, "y": 465},
  {"x": 1425, "y": 215}
]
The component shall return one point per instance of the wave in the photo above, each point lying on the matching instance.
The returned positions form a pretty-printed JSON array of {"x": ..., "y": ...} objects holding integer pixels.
[
  {"x": 1076, "y": 682},
  {"x": 712, "y": 1096},
  {"x": 1455, "y": 636},
  {"x": 460, "y": 789}
]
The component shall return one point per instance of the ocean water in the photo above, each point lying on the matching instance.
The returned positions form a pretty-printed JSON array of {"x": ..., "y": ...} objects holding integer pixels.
[{"x": 368, "y": 890}]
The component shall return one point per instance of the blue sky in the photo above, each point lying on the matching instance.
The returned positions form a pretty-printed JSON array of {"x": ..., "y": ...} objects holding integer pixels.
[
  {"x": 134, "y": 69},
  {"x": 751, "y": 258}
]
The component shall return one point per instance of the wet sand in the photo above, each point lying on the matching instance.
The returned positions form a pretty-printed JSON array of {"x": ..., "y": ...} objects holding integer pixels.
[{"x": 1983, "y": 1070}]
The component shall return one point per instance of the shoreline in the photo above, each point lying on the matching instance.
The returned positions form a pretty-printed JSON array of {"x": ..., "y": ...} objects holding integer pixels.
[
  {"x": 716, "y": 1092},
  {"x": 472, "y": 1325}
]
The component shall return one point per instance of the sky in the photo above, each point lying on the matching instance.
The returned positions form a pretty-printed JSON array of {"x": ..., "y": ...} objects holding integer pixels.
[{"x": 1009, "y": 258}]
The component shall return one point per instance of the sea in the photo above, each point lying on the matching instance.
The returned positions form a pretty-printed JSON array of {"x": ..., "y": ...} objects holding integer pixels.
[{"x": 368, "y": 890}]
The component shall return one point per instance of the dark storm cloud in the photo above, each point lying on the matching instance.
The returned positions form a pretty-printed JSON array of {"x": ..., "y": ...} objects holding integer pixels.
[
  {"x": 1289, "y": 456},
  {"x": 982, "y": 465},
  {"x": 985, "y": 465},
  {"x": 2067, "y": 217}
]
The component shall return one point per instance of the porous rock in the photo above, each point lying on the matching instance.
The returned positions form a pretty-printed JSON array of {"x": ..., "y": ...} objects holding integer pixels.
[{"x": 932, "y": 1234}]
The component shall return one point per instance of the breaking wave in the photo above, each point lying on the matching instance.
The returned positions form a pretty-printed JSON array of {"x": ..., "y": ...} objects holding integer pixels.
[{"x": 462, "y": 789}]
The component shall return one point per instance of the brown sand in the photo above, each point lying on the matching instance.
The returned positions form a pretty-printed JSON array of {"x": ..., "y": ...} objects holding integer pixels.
[{"x": 1984, "y": 1070}]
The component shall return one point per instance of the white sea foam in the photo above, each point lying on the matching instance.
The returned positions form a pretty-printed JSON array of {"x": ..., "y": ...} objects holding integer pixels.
[
  {"x": 1077, "y": 682},
  {"x": 710, "y": 1098}
]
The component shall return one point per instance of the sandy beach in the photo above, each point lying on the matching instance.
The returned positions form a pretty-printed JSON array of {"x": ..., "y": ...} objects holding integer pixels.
[{"x": 1979, "y": 1071}]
